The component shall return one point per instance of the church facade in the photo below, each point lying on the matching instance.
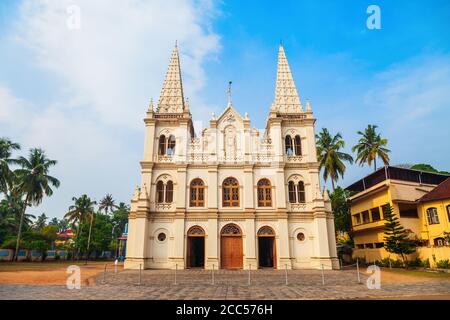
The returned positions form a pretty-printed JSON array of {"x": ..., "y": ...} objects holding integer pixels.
[{"x": 230, "y": 196}]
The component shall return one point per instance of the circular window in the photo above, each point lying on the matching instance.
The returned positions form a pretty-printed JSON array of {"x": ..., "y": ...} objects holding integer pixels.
[
  {"x": 301, "y": 236},
  {"x": 161, "y": 237}
]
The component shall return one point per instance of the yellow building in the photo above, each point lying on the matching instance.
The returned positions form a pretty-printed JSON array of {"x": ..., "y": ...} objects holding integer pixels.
[
  {"x": 434, "y": 211},
  {"x": 406, "y": 191}
]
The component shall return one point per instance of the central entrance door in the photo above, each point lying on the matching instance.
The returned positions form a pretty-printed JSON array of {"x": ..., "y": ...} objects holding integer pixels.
[
  {"x": 266, "y": 248},
  {"x": 195, "y": 248},
  {"x": 231, "y": 251}
]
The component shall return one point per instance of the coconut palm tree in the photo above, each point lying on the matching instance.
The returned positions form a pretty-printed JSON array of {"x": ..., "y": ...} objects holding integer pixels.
[
  {"x": 79, "y": 213},
  {"x": 6, "y": 175},
  {"x": 107, "y": 204},
  {"x": 34, "y": 182},
  {"x": 330, "y": 158},
  {"x": 371, "y": 146}
]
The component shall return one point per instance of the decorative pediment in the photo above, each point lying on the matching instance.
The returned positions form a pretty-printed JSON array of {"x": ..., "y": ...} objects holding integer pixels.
[{"x": 230, "y": 117}]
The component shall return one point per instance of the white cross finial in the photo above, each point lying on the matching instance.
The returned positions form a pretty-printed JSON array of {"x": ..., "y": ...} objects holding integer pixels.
[{"x": 229, "y": 93}]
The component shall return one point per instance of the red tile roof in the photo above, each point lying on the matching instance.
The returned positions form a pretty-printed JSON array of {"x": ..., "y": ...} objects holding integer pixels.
[{"x": 442, "y": 191}]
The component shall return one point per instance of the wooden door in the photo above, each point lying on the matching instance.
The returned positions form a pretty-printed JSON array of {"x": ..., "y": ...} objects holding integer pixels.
[{"x": 231, "y": 252}]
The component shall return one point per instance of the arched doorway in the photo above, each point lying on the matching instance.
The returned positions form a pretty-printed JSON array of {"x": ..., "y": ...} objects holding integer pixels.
[
  {"x": 267, "y": 255},
  {"x": 231, "y": 252},
  {"x": 195, "y": 255}
]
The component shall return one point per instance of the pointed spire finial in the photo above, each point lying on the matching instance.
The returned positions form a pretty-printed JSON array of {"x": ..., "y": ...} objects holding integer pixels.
[
  {"x": 286, "y": 96},
  {"x": 186, "y": 105},
  {"x": 171, "y": 99},
  {"x": 308, "y": 105},
  {"x": 176, "y": 43},
  {"x": 230, "y": 102},
  {"x": 151, "y": 106}
]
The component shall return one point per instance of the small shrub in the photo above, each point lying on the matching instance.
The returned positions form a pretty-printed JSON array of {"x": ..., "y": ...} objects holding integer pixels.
[
  {"x": 426, "y": 263},
  {"x": 417, "y": 263},
  {"x": 443, "y": 264}
]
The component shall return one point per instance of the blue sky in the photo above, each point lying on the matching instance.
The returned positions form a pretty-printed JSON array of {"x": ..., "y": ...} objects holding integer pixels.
[{"x": 81, "y": 95}]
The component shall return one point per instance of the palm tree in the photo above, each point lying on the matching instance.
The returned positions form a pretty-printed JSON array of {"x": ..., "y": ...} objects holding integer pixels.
[
  {"x": 34, "y": 182},
  {"x": 79, "y": 212},
  {"x": 107, "y": 204},
  {"x": 331, "y": 160},
  {"x": 371, "y": 146},
  {"x": 6, "y": 148}
]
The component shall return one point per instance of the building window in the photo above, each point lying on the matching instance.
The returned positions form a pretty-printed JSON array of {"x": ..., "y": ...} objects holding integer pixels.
[
  {"x": 301, "y": 236},
  {"x": 197, "y": 198},
  {"x": 292, "y": 195},
  {"x": 365, "y": 216},
  {"x": 360, "y": 246},
  {"x": 357, "y": 218},
  {"x": 162, "y": 145},
  {"x": 410, "y": 213},
  {"x": 448, "y": 213},
  {"x": 171, "y": 146},
  {"x": 169, "y": 192},
  {"x": 162, "y": 237},
  {"x": 379, "y": 245},
  {"x": 296, "y": 192},
  {"x": 375, "y": 212},
  {"x": 288, "y": 145},
  {"x": 301, "y": 192},
  {"x": 264, "y": 193},
  {"x": 230, "y": 197},
  {"x": 368, "y": 245},
  {"x": 164, "y": 193},
  {"x": 298, "y": 146},
  {"x": 439, "y": 242},
  {"x": 432, "y": 216},
  {"x": 160, "y": 192}
]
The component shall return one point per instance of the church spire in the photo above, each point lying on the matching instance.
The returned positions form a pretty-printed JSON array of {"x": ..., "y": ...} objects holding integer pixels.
[
  {"x": 286, "y": 95},
  {"x": 172, "y": 97}
]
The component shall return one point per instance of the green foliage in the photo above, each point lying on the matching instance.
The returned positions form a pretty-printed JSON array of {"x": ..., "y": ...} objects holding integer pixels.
[
  {"x": 49, "y": 232},
  {"x": 107, "y": 204},
  {"x": 370, "y": 147},
  {"x": 101, "y": 236},
  {"x": 341, "y": 210},
  {"x": 120, "y": 218},
  {"x": 330, "y": 158},
  {"x": 395, "y": 237},
  {"x": 427, "y": 168},
  {"x": 443, "y": 264},
  {"x": 38, "y": 245}
]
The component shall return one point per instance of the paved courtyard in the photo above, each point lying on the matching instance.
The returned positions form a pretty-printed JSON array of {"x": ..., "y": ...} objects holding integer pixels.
[{"x": 198, "y": 284}]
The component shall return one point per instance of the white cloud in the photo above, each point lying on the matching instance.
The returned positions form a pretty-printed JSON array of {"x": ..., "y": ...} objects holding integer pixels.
[{"x": 106, "y": 73}]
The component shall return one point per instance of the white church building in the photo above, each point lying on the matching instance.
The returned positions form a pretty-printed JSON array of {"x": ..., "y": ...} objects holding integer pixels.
[{"x": 230, "y": 197}]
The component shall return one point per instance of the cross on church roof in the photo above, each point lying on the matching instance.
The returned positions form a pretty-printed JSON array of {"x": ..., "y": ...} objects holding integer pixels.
[{"x": 229, "y": 93}]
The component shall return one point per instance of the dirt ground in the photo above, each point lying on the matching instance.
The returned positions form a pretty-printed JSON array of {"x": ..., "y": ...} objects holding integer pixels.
[
  {"x": 54, "y": 273},
  {"x": 50, "y": 273},
  {"x": 409, "y": 276}
]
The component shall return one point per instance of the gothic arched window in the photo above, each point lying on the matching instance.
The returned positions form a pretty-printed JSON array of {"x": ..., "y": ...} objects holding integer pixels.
[
  {"x": 288, "y": 145},
  {"x": 169, "y": 192},
  {"x": 171, "y": 142},
  {"x": 160, "y": 192},
  {"x": 197, "y": 192},
  {"x": 230, "y": 193},
  {"x": 264, "y": 193},
  {"x": 162, "y": 145},
  {"x": 298, "y": 145},
  {"x": 292, "y": 195},
  {"x": 301, "y": 192}
]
